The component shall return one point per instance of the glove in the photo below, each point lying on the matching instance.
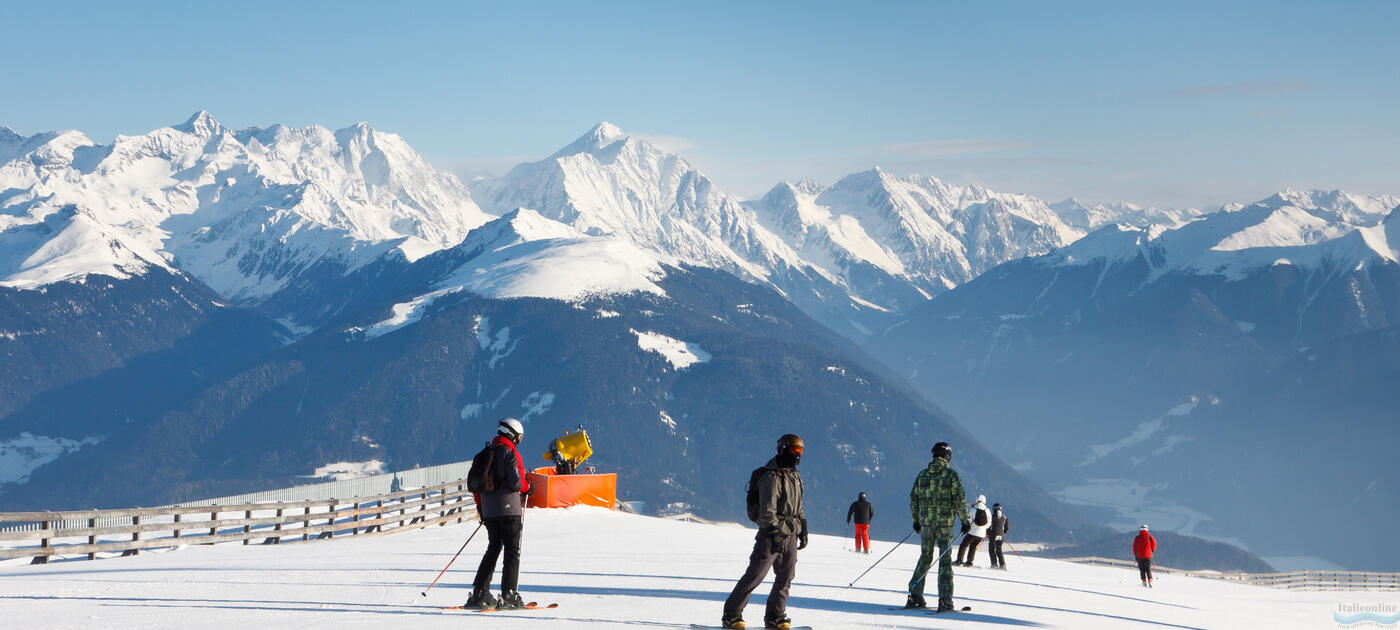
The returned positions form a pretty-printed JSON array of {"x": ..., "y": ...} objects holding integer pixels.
[
  {"x": 966, "y": 527},
  {"x": 802, "y": 536},
  {"x": 916, "y": 526},
  {"x": 775, "y": 543}
]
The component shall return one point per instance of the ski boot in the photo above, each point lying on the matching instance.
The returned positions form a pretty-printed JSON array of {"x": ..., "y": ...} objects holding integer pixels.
[
  {"x": 735, "y": 623},
  {"x": 781, "y": 623},
  {"x": 945, "y": 604},
  {"x": 510, "y": 600},
  {"x": 915, "y": 601},
  {"x": 481, "y": 598}
]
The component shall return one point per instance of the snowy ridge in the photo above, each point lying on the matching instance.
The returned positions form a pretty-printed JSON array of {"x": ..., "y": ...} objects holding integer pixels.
[
  {"x": 872, "y": 245},
  {"x": 243, "y": 211},
  {"x": 1092, "y": 217},
  {"x": 932, "y": 234},
  {"x": 1234, "y": 243},
  {"x": 610, "y": 183},
  {"x": 523, "y": 254}
]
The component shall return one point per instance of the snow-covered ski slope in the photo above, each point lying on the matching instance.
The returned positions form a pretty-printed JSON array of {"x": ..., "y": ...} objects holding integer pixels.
[{"x": 609, "y": 570}]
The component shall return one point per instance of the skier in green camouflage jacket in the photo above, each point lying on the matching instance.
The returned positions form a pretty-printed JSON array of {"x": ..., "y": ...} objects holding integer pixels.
[{"x": 937, "y": 497}]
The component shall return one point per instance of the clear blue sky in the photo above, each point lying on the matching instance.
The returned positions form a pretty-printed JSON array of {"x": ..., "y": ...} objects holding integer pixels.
[{"x": 1170, "y": 103}]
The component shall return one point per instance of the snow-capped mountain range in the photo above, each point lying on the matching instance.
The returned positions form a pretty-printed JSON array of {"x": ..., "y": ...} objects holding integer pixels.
[
  {"x": 245, "y": 212},
  {"x": 250, "y": 212},
  {"x": 1247, "y": 337}
]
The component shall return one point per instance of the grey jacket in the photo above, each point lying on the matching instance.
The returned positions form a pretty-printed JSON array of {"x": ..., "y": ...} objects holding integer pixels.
[
  {"x": 780, "y": 500},
  {"x": 507, "y": 500}
]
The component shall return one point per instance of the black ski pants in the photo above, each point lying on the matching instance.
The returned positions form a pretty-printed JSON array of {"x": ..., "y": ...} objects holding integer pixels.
[
  {"x": 994, "y": 550},
  {"x": 502, "y": 532},
  {"x": 784, "y": 565},
  {"x": 968, "y": 546},
  {"x": 1145, "y": 568}
]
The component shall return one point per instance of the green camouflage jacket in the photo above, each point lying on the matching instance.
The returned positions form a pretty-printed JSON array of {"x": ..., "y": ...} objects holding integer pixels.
[{"x": 937, "y": 497}]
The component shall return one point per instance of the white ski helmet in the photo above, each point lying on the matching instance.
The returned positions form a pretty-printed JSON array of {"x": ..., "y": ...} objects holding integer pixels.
[
  {"x": 1144, "y": 528},
  {"x": 511, "y": 428}
]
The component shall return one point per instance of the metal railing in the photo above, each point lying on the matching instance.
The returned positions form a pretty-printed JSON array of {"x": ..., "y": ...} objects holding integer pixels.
[{"x": 1289, "y": 580}]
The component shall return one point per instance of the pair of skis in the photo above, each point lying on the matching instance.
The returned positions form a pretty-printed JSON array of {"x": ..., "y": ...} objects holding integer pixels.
[
  {"x": 933, "y": 612},
  {"x": 697, "y": 626},
  {"x": 529, "y": 606}
]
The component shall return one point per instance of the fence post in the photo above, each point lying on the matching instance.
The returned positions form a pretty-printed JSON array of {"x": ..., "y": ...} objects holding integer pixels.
[
  {"x": 305, "y": 525},
  {"x": 213, "y": 529},
  {"x": 402, "y": 510},
  {"x": 135, "y": 536},
  {"x": 177, "y": 525},
  {"x": 92, "y": 538},
  {"x": 43, "y": 544},
  {"x": 331, "y": 520},
  {"x": 247, "y": 516}
]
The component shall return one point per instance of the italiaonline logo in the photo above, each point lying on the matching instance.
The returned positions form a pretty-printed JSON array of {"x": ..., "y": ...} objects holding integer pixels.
[{"x": 1367, "y": 615}]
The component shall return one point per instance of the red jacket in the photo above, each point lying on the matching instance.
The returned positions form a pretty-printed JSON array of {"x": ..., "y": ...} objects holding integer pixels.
[{"x": 1144, "y": 545}]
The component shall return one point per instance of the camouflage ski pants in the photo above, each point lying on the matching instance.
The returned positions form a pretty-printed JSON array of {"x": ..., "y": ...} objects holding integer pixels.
[{"x": 931, "y": 541}]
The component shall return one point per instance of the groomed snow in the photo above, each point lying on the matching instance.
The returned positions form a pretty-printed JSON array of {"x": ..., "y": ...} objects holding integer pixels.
[{"x": 610, "y": 570}]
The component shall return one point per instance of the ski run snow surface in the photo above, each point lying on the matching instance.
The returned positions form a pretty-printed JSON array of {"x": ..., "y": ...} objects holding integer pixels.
[{"x": 606, "y": 570}]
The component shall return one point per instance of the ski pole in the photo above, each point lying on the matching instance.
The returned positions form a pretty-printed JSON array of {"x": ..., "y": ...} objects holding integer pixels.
[
  {"x": 1013, "y": 549},
  {"x": 882, "y": 558},
  {"x": 454, "y": 559},
  {"x": 939, "y": 558},
  {"x": 845, "y": 535}
]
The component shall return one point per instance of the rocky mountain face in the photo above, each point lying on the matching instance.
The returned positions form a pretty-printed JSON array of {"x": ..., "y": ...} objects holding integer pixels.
[{"x": 1160, "y": 372}]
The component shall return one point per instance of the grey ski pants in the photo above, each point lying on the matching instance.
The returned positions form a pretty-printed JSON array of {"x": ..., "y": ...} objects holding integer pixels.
[{"x": 784, "y": 565}]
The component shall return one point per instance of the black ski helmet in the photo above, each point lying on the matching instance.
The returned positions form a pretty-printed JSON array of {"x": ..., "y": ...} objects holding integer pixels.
[
  {"x": 942, "y": 450},
  {"x": 862, "y": 496},
  {"x": 790, "y": 444}
]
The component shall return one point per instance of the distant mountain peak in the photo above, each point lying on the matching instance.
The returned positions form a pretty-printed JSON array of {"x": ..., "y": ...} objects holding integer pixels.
[
  {"x": 201, "y": 123},
  {"x": 808, "y": 185},
  {"x": 602, "y": 135}
]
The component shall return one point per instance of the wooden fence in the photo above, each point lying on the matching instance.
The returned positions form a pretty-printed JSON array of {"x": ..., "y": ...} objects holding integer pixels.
[
  {"x": 1291, "y": 580},
  {"x": 43, "y": 535}
]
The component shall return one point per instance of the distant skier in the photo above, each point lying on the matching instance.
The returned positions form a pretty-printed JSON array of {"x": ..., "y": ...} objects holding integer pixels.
[
  {"x": 1143, "y": 547},
  {"x": 937, "y": 497},
  {"x": 996, "y": 536},
  {"x": 776, "y": 505},
  {"x": 974, "y": 532},
  {"x": 862, "y": 512},
  {"x": 502, "y": 512}
]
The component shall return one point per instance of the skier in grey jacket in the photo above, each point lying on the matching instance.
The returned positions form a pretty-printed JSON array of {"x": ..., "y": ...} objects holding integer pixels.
[{"x": 782, "y": 530}]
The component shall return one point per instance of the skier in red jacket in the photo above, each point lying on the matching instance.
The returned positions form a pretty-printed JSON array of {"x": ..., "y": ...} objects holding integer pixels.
[{"x": 1143, "y": 546}]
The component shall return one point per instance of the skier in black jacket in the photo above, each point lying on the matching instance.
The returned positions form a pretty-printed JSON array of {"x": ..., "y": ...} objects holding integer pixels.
[
  {"x": 502, "y": 513},
  {"x": 862, "y": 512},
  {"x": 996, "y": 535}
]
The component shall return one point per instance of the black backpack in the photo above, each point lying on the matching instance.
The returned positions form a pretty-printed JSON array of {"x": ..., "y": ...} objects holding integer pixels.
[
  {"x": 482, "y": 475},
  {"x": 980, "y": 519},
  {"x": 751, "y": 501}
]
